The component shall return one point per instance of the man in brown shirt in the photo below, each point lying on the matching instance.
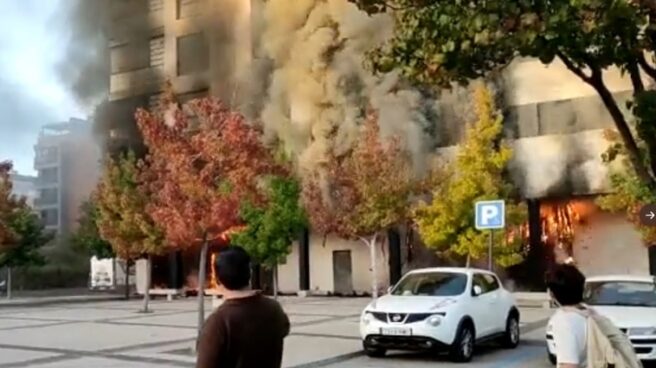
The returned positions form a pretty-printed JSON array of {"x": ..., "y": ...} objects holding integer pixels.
[{"x": 248, "y": 329}]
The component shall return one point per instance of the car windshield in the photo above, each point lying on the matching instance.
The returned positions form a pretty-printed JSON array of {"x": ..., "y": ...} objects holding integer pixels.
[
  {"x": 623, "y": 293},
  {"x": 431, "y": 284}
]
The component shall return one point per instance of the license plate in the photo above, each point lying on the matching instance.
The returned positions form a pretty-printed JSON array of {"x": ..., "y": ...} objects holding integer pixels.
[{"x": 396, "y": 331}]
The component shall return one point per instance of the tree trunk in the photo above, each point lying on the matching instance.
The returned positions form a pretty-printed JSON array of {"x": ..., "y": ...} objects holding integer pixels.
[
  {"x": 371, "y": 243},
  {"x": 127, "y": 279},
  {"x": 114, "y": 269},
  {"x": 622, "y": 126},
  {"x": 596, "y": 80},
  {"x": 275, "y": 282},
  {"x": 8, "y": 282},
  {"x": 202, "y": 274},
  {"x": 468, "y": 261},
  {"x": 146, "y": 298}
]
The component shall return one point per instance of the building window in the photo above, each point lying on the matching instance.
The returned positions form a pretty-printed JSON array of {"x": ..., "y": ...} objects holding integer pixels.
[
  {"x": 130, "y": 56},
  {"x": 48, "y": 196},
  {"x": 157, "y": 52},
  {"x": 188, "y": 97},
  {"x": 193, "y": 55},
  {"x": 49, "y": 175},
  {"x": 187, "y": 8},
  {"x": 46, "y": 155},
  {"x": 155, "y": 5},
  {"x": 121, "y": 9},
  {"x": 50, "y": 217}
]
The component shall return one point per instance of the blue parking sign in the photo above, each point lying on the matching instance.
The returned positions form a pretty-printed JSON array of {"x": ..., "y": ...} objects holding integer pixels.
[{"x": 490, "y": 215}]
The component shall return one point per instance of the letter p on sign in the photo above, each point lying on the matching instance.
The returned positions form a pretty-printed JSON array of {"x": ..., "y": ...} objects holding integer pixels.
[{"x": 490, "y": 215}]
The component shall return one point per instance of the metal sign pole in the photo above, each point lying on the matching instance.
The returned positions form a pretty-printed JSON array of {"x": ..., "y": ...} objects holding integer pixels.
[{"x": 489, "y": 261}]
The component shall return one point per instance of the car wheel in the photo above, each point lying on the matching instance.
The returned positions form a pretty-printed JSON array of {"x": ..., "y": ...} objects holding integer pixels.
[
  {"x": 373, "y": 352},
  {"x": 552, "y": 358},
  {"x": 462, "y": 349},
  {"x": 512, "y": 334}
]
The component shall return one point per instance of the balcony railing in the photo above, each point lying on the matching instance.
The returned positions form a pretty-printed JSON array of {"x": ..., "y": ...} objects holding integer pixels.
[{"x": 46, "y": 160}]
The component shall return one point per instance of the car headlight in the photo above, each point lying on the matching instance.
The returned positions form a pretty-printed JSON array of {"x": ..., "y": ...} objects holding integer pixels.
[
  {"x": 642, "y": 331},
  {"x": 434, "y": 320},
  {"x": 367, "y": 318}
]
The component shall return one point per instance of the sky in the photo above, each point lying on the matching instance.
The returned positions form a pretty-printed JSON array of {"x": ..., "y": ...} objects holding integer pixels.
[{"x": 31, "y": 93}]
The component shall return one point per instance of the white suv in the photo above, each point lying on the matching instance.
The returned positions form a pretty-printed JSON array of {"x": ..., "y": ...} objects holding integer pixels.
[
  {"x": 630, "y": 303},
  {"x": 441, "y": 309}
]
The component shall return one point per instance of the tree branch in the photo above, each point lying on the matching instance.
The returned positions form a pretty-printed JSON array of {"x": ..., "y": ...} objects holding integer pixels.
[
  {"x": 636, "y": 78},
  {"x": 650, "y": 70},
  {"x": 635, "y": 156},
  {"x": 573, "y": 68}
]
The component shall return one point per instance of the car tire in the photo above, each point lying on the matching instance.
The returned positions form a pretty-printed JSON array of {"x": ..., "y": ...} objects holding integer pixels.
[
  {"x": 512, "y": 334},
  {"x": 462, "y": 349},
  {"x": 552, "y": 358},
  {"x": 373, "y": 352}
]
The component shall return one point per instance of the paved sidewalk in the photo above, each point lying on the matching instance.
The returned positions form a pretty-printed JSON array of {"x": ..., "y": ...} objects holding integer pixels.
[
  {"x": 64, "y": 296},
  {"x": 113, "y": 335}
]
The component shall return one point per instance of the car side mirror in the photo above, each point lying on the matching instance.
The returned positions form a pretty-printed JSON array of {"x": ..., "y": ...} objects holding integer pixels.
[{"x": 477, "y": 290}]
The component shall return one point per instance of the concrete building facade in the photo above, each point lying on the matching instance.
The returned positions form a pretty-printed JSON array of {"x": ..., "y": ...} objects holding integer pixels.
[
  {"x": 199, "y": 46},
  {"x": 67, "y": 161},
  {"x": 556, "y": 123}
]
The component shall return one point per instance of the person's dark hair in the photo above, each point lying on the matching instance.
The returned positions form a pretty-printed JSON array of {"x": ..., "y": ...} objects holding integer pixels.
[
  {"x": 566, "y": 283},
  {"x": 233, "y": 268}
]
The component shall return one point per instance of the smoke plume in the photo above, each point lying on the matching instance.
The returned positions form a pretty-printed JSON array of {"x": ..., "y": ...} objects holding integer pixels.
[
  {"x": 318, "y": 89},
  {"x": 84, "y": 69}
]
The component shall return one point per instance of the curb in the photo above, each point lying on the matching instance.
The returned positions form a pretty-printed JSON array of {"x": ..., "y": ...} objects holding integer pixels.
[{"x": 36, "y": 302}]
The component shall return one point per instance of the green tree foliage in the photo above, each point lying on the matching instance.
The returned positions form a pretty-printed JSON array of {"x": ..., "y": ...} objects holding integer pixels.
[
  {"x": 440, "y": 42},
  {"x": 87, "y": 236},
  {"x": 446, "y": 224},
  {"x": 629, "y": 194},
  {"x": 31, "y": 237},
  {"x": 271, "y": 228}
]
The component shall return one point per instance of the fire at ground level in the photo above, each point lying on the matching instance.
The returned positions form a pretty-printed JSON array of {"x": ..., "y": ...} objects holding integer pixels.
[{"x": 557, "y": 231}]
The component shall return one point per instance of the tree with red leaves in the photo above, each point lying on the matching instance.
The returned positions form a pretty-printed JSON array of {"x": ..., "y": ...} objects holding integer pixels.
[
  {"x": 364, "y": 193},
  {"x": 8, "y": 204},
  {"x": 207, "y": 160}
]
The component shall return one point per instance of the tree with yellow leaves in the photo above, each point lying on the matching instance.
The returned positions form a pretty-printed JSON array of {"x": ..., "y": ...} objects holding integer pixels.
[
  {"x": 477, "y": 173},
  {"x": 122, "y": 198}
]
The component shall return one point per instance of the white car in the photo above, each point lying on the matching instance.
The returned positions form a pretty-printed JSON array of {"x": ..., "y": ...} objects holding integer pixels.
[
  {"x": 441, "y": 309},
  {"x": 630, "y": 303}
]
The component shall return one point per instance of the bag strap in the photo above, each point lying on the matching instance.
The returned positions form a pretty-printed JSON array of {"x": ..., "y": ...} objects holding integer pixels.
[{"x": 580, "y": 309}]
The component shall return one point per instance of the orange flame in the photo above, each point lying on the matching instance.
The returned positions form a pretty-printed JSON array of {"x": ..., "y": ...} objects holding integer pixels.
[{"x": 558, "y": 222}]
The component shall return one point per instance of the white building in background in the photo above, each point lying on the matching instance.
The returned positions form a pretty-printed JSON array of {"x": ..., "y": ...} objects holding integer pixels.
[
  {"x": 24, "y": 186},
  {"x": 68, "y": 164}
]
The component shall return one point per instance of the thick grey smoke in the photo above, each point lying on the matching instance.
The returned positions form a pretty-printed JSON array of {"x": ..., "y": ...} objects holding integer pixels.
[
  {"x": 93, "y": 26},
  {"x": 84, "y": 69},
  {"x": 318, "y": 89}
]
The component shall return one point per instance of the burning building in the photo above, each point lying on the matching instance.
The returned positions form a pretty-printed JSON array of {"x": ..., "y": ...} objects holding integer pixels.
[{"x": 298, "y": 70}]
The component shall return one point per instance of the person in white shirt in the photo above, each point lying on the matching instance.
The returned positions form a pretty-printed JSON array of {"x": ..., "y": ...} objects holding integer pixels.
[{"x": 565, "y": 284}]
